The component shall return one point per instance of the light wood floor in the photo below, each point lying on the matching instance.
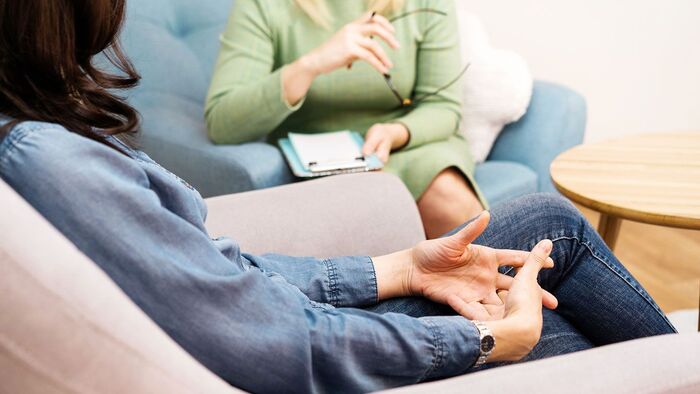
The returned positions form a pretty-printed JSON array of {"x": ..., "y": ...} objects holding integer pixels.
[{"x": 666, "y": 261}]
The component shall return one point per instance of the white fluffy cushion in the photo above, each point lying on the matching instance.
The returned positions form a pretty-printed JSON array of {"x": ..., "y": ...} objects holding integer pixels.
[{"x": 497, "y": 86}]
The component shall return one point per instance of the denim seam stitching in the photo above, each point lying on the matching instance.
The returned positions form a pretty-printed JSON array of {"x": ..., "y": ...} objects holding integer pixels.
[
  {"x": 373, "y": 282},
  {"x": 333, "y": 291},
  {"x": 439, "y": 349},
  {"x": 559, "y": 335},
  {"x": 11, "y": 143},
  {"x": 646, "y": 297}
]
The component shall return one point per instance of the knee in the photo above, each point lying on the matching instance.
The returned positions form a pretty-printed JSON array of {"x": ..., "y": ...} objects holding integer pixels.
[
  {"x": 552, "y": 202},
  {"x": 450, "y": 187},
  {"x": 552, "y": 211},
  {"x": 443, "y": 188}
]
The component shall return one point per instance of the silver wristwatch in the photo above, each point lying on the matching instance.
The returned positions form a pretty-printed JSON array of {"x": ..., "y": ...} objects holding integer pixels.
[{"x": 486, "y": 343}]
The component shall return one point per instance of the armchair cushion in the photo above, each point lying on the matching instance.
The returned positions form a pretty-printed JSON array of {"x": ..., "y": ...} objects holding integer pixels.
[{"x": 497, "y": 89}]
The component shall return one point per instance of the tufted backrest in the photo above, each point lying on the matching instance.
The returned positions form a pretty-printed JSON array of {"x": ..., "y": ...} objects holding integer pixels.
[{"x": 174, "y": 43}]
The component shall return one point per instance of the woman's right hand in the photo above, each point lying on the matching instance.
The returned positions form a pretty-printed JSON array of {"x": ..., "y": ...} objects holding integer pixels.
[
  {"x": 520, "y": 328},
  {"x": 355, "y": 42}
]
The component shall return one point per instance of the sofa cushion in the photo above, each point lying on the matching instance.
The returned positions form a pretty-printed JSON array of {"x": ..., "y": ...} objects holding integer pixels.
[
  {"x": 497, "y": 89},
  {"x": 504, "y": 180}
]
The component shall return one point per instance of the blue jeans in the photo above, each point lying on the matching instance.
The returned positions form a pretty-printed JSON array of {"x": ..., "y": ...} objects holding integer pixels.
[{"x": 599, "y": 300}]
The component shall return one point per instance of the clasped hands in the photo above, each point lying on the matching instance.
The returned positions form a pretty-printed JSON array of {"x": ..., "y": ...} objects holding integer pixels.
[{"x": 455, "y": 272}]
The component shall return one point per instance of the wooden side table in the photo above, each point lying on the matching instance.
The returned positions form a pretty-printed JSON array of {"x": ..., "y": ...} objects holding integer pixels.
[{"x": 651, "y": 178}]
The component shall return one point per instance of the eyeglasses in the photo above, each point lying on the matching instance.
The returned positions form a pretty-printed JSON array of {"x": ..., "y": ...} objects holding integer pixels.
[{"x": 408, "y": 102}]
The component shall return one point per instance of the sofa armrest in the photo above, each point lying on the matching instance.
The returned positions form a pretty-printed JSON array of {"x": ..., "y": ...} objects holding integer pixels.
[
  {"x": 555, "y": 121},
  {"x": 662, "y": 364},
  {"x": 359, "y": 214},
  {"x": 219, "y": 170},
  {"x": 174, "y": 135}
]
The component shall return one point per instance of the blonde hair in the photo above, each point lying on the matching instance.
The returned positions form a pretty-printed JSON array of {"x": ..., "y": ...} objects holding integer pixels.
[{"x": 317, "y": 10}]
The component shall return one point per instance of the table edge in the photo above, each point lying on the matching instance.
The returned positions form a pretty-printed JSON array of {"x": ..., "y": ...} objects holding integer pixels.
[{"x": 627, "y": 213}]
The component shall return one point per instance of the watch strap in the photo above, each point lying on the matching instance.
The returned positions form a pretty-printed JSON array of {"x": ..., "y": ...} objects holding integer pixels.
[{"x": 484, "y": 333}]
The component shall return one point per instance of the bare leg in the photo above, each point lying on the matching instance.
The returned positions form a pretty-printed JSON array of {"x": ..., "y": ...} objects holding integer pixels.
[{"x": 448, "y": 202}]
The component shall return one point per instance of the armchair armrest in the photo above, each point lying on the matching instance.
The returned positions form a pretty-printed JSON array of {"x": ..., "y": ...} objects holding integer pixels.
[
  {"x": 174, "y": 135},
  {"x": 359, "y": 214},
  {"x": 660, "y": 364},
  {"x": 554, "y": 122}
]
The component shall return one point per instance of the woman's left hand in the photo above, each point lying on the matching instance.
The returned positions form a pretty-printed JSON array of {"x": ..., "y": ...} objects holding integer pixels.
[
  {"x": 382, "y": 138},
  {"x": 454, "y": 267}
]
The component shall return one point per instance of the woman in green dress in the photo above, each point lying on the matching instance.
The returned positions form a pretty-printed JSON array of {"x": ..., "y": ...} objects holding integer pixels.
[{"x": 315, "y": 66}]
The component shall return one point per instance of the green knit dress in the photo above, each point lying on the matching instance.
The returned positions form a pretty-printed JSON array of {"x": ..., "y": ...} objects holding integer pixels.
[{"x": 245, "y": 101}]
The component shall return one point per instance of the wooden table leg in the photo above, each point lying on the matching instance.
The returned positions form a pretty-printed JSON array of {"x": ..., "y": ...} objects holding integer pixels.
[{"x": 609, "y": 228}]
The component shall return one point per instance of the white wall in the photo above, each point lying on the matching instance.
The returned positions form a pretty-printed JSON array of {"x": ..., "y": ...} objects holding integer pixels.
[{"x": 637, "y": 62}]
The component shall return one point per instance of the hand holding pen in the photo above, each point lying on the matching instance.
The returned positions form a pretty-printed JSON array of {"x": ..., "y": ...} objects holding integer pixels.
[
  {"x": 355, "y": 42},
  {"x": 351, "y": 43}
]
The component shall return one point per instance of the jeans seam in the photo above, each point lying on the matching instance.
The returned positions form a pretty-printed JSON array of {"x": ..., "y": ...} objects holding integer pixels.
[
  {"x": 333, "y": 291},
  {"x": 559, "y": 335},
  {"x": 438, "y": 355},
  {"x": 619, "y": 274}
]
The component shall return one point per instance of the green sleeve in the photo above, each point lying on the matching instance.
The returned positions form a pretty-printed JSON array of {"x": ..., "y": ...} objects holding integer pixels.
[
  {"x": 438, "y": 62},
  {"x": 245, "y": 100}
]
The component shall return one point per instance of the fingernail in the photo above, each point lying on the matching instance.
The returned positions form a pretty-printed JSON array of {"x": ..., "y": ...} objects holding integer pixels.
[{"x": 545, "y": 245}]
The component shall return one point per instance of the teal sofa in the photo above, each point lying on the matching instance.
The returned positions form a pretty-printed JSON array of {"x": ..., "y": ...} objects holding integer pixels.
[{"x": 174, "y": 43}]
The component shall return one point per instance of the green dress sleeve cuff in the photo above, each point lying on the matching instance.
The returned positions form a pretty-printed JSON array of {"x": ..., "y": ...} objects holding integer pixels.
[{"x": 429, "y": 124}]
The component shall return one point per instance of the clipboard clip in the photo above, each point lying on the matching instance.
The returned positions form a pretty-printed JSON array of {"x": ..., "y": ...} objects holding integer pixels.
[{"x": 358, "y": 162}]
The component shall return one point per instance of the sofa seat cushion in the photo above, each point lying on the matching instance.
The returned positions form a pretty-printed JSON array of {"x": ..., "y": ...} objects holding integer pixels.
[{"x": 503, "y": 180}]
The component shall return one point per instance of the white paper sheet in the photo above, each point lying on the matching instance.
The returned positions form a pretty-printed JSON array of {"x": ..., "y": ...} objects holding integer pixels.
[{"x": 325, "y": 148}]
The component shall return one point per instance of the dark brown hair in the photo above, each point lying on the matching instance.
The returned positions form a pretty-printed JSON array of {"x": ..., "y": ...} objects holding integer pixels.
[{"x": 46, "y": 66}]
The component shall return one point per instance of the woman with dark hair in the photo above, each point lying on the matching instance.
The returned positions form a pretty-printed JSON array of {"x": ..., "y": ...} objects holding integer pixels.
[
  {"x": 278, "y": 323},
  {"x": 46, "y": 70}
]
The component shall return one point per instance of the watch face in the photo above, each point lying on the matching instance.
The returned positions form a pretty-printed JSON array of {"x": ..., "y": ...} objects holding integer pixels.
[{"x": 487, "y": 343}]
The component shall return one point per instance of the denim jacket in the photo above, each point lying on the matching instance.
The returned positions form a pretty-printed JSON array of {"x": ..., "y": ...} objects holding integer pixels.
[{"x": 263, "y": 323}]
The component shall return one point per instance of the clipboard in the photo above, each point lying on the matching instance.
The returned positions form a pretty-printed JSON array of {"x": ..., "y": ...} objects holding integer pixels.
[{"x": 313, "y": 170}]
